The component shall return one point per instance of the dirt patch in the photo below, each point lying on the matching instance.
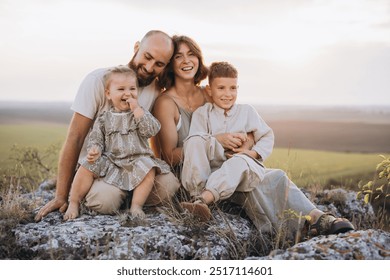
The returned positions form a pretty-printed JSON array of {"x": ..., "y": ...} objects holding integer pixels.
[{"x": 332, "y": 136}]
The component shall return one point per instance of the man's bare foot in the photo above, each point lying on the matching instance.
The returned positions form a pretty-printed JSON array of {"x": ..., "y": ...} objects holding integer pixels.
[
  {"x": 72, "y": 212},
  {"x": 136, "y": 212}
]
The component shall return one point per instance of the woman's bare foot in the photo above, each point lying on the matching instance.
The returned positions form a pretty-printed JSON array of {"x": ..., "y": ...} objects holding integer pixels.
[
  {"x": 72, "y": 212},
  {"x": 199, "y": 209}
]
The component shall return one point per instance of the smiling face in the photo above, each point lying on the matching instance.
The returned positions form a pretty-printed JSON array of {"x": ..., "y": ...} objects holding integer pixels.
[
  {"x": 151, "y": 56},
  {"x": 121, "y": 86},
  {"x": 185, "y": 63},
  {"x": 223, "y": 92}
]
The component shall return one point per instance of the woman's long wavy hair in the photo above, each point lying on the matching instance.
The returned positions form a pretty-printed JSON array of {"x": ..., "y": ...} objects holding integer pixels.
[{"x": 167, "y": 77}]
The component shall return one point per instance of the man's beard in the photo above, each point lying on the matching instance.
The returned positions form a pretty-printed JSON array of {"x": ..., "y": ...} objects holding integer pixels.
[{"x": 142, "y": 82}]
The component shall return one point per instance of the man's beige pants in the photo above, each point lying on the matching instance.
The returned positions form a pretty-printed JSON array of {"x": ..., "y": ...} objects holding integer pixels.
[{"x": 107, "y": 199}]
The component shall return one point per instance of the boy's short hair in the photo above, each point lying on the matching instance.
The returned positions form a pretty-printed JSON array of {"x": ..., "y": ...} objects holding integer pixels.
[
  {"x": 222, "y": 70},
  {"x": 121, "y": 69}
]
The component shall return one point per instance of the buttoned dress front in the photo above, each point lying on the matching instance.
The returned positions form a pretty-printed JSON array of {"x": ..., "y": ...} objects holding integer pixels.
[{"x": 126, "y": 158}]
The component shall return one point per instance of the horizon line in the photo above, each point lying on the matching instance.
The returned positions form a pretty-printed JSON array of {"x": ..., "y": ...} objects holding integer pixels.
[{"x": 251, "y": 103}]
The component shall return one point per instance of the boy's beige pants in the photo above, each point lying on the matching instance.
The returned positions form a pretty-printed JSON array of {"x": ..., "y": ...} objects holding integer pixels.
[
  {"x": 265, "y": 194},
  {"x": 205, "y": 166}
]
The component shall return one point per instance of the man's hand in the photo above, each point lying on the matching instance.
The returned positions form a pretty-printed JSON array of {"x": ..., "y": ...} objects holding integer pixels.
[
  {"x": 78, "y": 130},
  {"x": 231, "y": 141},
  {"x": 52, "y": 205},
  {"x": 93, "y": 154}
]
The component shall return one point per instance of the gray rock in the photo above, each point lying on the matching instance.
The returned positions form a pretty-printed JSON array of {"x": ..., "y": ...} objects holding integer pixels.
[
  {"x": 355, "y": 245},
  {"x": 118, "y": 237},
  {"x": 166, "y": 235}
]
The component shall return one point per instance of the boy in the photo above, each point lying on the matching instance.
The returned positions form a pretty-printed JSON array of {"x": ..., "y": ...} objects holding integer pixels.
[{"x": 211, "y": 173}]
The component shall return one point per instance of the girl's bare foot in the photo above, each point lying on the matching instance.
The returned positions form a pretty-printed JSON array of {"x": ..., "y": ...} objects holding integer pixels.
[
  {"x": 72, "y": 212},
  {"x": 136, "y": 212}
]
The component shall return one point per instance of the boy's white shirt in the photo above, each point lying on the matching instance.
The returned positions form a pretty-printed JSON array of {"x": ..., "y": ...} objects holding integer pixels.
[{"x": 210, "y": 119}]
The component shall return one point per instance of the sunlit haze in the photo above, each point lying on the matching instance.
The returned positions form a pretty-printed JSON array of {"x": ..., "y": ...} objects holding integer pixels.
[{"x": 297, "y": 52}]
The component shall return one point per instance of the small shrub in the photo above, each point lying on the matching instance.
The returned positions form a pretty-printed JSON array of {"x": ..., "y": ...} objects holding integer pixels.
[
  {"x": 377, "y": 191},
  {"x": 32, "y": 166},
  {"x": 29, "y": 168}
]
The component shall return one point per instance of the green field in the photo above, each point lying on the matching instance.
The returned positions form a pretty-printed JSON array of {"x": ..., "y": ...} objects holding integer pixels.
[
  {"x": 38, "y": 136},
  {"x": 305, "y": 167},
  {"x": 311, "y": 168}
]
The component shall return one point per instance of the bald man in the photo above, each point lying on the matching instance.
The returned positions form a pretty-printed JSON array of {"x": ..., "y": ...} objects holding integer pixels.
[{"x": 151, "y": 56}]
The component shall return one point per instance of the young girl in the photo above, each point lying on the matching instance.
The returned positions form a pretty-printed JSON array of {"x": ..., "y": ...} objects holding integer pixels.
[{"x": 118, "y": 149}]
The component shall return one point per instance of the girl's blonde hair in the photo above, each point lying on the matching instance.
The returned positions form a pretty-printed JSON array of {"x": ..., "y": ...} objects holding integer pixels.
[{"x": 121, "y": 69}]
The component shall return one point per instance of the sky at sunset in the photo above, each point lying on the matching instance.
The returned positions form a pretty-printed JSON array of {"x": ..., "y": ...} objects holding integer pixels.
[{"x": 298, "y": 52}]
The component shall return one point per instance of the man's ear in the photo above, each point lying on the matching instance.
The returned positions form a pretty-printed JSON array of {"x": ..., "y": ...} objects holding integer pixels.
[{"x": 136, "y": 46}]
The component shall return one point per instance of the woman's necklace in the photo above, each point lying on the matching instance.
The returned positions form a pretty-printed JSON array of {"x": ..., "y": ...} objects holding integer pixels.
[{"x": 185, "y": 102}]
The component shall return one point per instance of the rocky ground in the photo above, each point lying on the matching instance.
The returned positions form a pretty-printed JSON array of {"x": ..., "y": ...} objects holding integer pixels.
[{"x": 166, "y": 235}]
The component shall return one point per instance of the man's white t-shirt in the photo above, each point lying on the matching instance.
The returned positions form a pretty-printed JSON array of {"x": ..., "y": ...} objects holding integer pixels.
[{"x": 91, "y": 101}]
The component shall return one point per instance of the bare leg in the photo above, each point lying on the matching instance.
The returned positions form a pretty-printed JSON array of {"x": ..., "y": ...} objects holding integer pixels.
[
  {"x": 207, "y": 196},
  {"x": 314, "y": 215},
  {"x": 81, "y": 185},
  {"x": 141, "y": 193}
]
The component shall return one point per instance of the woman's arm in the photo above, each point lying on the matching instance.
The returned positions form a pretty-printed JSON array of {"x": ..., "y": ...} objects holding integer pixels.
[{"x": 166, "y": 112}]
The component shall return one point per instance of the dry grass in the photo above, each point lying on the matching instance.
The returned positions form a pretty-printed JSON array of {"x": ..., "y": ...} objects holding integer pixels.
[
  {"x": 16, "y": 208},
  {"x": 14, "y": 205}
]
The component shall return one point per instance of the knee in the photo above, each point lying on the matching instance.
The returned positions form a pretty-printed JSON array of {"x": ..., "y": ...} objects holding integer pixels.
[
  {"x": 165, "y": 187},
  {"x": 279, "y": 174},
  {"x": 194, "y": 141},
  {"x": 100, "y": 204},
  {"x": 239, "y": 160},
  {"x": 106, "y": 201},
  {"x": 167, "y": 183}
]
